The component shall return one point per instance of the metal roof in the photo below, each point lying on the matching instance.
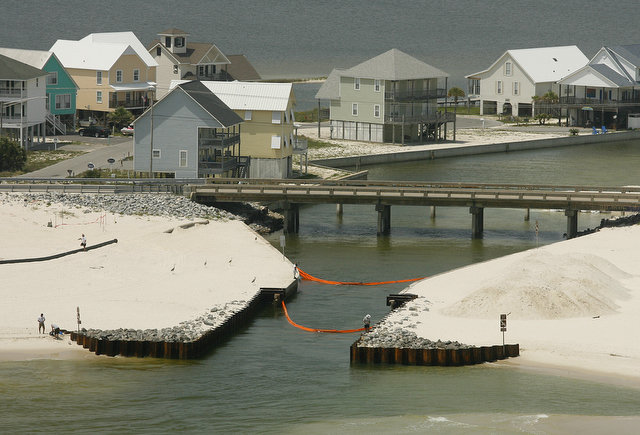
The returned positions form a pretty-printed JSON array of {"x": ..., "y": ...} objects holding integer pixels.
[
  {"x": 629, "y": 52},
  {"x": 100, "y": 51},
  {"x": 173, "y": 31},
  {"x": 544, "y": 64},
  {"x": 35, "y": 58},
  {"x": 394, "y": 65},
  {"x": 610, "y": 74},
  {"x": 250, "y": 95},
  {"x": 211, "y": 103},
  {"x": 11, "y": 69}
]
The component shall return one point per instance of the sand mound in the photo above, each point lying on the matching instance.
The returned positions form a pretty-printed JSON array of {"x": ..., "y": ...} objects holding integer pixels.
[{"x": 546, "y": 286}]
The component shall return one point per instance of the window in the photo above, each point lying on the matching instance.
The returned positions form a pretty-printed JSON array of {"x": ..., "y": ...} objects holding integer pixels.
[
  {"x": 516, "y": 88},
  {"x": 292, "y": 115},
  {"x": 354, "y": 109},
  {"x": 179, "y": 42},
  {"x": 591, "y": 93},
  {"x": 63, "y": 101},
  {"x": 507, "y": 68},
  {"x": 99, "y": 97},
  {"x": 52, "y": 78},
  {"x": 285, "y": 141},
  {"x": 119, "y": 76},
  {"x": 46, "y": 102},
  {"x": 201, "y": 70},
  {"x": 376, "y": 85},
  {"x": 167, "y": 41},
  {"x": 275, "y": 142},
  {"x": 158, "y": 50},
  {"x": 376, "y": 110},
  {"x": 37, "y": 81},
  {"x": 285, "y": 116},
  {"x": 136, "y": 75},
  {"x": 499, "y": 86},
  {"x": 356, "y": 84},
  {"x": 156, "y": 154},
  {"x": 183, "y": 159},
  {"x": 275, "y": 117},
  {"x": 98, "y": 77},
  {"x": 247, "y": 115},
  {"x": 175, "y": 69}
]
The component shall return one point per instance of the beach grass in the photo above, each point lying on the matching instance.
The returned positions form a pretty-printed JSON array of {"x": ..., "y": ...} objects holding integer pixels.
[{"x": 41, "y": 159}]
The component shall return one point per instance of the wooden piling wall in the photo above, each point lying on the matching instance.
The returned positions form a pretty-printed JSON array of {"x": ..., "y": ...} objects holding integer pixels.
[
  {"x": 182, "y": 350},
  {"x": 432, "y": 357}
]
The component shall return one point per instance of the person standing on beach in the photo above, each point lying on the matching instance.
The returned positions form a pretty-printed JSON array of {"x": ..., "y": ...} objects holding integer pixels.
[
  {"x": 367, "y": 321},
  {"x": 83, "y": 243},
  {"x": 41, "y": 323}
]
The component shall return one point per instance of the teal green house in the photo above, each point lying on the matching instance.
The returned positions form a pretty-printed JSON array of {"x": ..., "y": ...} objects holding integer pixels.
[{"x": 61, "y": 88}]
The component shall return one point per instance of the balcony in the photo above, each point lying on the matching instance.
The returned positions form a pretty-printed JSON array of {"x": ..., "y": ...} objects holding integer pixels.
[
  {"x": 220, "y": 140},
  {"x": 134, "y": 103},
  {"x": 10, "y": 93},
  {"x": 415, "y": 95},
  {"x": 597, "y": 102},
  {"x": 430, "y": 118},
  {"x": 219, "y": 76},
  {"x": 221, "y": 164}
]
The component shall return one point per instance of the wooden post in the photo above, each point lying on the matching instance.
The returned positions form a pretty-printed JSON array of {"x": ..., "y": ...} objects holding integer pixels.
[
  {"x": 572, "y": 223},
  {"x": 477, "y": 221}
]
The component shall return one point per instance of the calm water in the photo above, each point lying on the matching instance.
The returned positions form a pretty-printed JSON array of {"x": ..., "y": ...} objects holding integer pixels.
[{"x": 272, "y": 378}]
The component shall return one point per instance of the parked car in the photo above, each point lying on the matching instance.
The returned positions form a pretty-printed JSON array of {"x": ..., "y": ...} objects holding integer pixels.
[
  {"x": 127, "y": 131},
  {"x": 94, "y": 130}
]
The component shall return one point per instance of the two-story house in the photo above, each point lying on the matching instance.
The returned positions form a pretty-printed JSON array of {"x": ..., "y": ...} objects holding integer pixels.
[
  {"x": 61, "y": 89},
  {"x": 180, "y": 59},
  {"x": 392, "y": 97},
  {"x": 268, "y": 129},
  {"x": 605, "y": 91},
  {"x": 111, "y": 70},
  {"x": 189, "y": 133},
  {"x": 23, "y": 95},
  {"x": 510, "y": 83}
]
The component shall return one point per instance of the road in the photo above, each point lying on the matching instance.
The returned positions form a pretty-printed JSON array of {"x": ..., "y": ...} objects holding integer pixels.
[{"x": 98, "y": 150}]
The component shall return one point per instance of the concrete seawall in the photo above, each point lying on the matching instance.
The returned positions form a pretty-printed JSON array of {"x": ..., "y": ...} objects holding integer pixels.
[{"x": 453, "y": 150}]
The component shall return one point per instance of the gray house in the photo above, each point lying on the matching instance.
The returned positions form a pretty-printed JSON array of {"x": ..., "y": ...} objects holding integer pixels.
[{"x": 195, "y": 135}]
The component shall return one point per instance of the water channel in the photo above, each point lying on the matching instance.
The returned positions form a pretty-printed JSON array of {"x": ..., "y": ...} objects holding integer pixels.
[{"x": 272, "y": 378}]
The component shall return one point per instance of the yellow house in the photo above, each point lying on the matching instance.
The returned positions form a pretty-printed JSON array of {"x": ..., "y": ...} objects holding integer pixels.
[
  {"x": 111, "y": 70},
  {"x": 267, "y": 134}
]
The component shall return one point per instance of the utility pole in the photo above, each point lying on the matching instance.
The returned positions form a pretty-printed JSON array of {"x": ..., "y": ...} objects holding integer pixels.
[{"x": 151, "y": 143}]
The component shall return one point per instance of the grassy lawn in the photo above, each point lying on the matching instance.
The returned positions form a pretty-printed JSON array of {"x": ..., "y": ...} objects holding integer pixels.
[
  {"x": 462, "y": 110},
  {"x": 41, "y": 159},
  {"x": 316, "y": 144}
]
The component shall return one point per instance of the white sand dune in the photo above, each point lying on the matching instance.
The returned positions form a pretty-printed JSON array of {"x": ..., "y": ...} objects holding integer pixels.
[{"x": 573, "y": 304}]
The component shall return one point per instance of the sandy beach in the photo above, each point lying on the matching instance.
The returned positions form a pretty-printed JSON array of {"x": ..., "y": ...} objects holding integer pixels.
[
  {"x": 573, "y": 306},
  {"x": 150, "y": 279}
]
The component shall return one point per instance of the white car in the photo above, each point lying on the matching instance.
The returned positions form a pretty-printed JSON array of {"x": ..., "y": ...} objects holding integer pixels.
[{"x": 127, "y": 131}]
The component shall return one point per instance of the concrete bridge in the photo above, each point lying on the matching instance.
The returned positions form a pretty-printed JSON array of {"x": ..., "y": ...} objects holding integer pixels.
[{"x": 291, "y": 193}]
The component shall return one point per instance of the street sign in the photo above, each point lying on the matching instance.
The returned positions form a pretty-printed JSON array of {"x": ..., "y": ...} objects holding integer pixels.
[{"x": 503, "y": 322}]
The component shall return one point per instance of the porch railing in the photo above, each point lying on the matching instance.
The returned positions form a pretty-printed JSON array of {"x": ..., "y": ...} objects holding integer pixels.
[
  {"x": 415, "y": 95},
  {"x": 593, "y": 101},
  {"x": 432, "y": 118},
  {"x": 220, "y": 140},
  {"x": 10, "y": 92},
  {"x": 133, "y": 103}
]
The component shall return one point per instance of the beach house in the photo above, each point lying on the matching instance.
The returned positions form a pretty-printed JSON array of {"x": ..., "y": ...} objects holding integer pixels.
[
  {"x": 60, "y": 90},
  {"x": 111, "y": 70},
  {"x": 267, "y": 135},
  {"x": 189, "y": 133},
  {"x": 180, "y": 59},
  {"x": 23, "y": 95},
  {"x": 390, "y": 98},
  {"x": 510, "y": 84},
  {"x": 606, "y": 91}
]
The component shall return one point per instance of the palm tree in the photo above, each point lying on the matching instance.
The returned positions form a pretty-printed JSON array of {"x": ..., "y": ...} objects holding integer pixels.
[{"x": 455, "y": 92}]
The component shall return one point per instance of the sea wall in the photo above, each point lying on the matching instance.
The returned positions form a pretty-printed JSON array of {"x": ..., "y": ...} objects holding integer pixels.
[{"x": 467, "y": 150}]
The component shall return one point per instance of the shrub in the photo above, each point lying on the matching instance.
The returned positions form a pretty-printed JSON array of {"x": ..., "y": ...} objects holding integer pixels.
[
  {"x": 12, "y": 156},
  {"x": 573, "y": 131}
]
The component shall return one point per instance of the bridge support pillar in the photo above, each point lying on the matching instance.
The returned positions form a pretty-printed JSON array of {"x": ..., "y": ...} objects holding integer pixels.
[
  {"x": 477, "y": 221},
  {"x": 339, "y": 209},
  {"x": 291, "y": 218},
  {"x": 527, "y": 215},
  {"x": 572, "y": 223},
  {"x": 432, "y": 213},
  {"x": 384, "y": 219}
]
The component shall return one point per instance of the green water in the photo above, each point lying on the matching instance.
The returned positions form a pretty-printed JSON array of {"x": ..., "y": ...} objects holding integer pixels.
[{"x": 272, "y": 378}]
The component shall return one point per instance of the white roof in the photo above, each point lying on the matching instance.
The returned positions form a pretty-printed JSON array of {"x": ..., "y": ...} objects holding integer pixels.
[
  {"x": 545, "y": 64},
  {"x": 249, "y": 95},
  {"x": 99, "y": 51},
  {"x": 35, "y": 58}
]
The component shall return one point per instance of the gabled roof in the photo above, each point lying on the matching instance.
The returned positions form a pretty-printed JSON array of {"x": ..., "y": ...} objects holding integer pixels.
[
  {"x": 544, "y": 64},
  {"x": 330, "y": 89},
  {"x": 629, "y": 52},
  {"x": 606, "y": 68},
  {"x": 195, "y": 52},
  {"x": 100, "y": 51},
  {"x": 211, "y": 103},
  {"x": 611, "y": 75},
  {"x": 250, "y": 95},
  {"x": 241, "y": 69},
  {"x": 11, "y": 69},
  {"x": 394, "y": 65},
  {"x": 35, "y": 58}
]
